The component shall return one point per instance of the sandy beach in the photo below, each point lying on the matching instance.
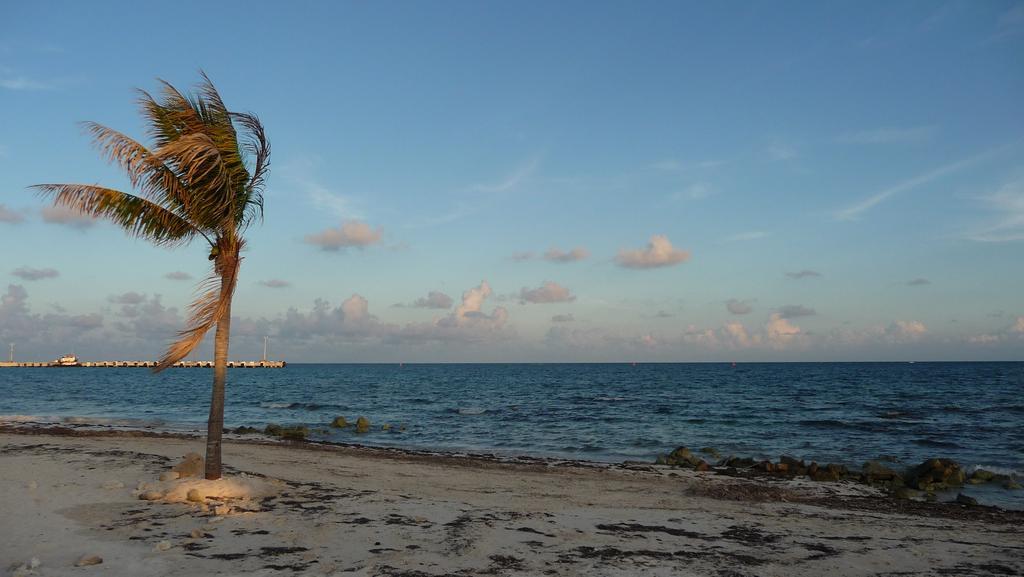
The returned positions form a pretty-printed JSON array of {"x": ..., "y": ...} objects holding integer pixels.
[{"x": 358, "y": 511}]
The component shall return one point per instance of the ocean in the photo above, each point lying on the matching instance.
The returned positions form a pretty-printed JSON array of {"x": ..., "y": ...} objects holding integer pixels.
[{"x": 827, "y": 412}]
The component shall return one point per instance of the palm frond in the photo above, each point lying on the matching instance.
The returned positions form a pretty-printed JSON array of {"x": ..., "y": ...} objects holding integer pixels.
[
  {"x": 147, "y": 173},
  {"x": 214, "y": 298},
  {"x": 258, "y": 146},
  {"x": 139, "y": 217}
]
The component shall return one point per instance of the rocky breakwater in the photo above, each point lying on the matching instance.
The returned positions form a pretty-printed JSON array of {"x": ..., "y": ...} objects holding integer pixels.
[{"x": 923, "y": 481}]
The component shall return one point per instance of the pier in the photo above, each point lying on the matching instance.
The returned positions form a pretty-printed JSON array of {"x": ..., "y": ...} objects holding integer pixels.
[{"x": 151, "y": 364}]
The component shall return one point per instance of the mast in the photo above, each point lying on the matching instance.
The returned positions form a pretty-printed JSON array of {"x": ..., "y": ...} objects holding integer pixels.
[
  {"x": 265, "y": 348},
  {"x": 12, "y": 352}
]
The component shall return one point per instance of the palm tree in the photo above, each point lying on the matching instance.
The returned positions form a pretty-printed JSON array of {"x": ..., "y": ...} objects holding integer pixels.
[{"x": 204, "y": 178}]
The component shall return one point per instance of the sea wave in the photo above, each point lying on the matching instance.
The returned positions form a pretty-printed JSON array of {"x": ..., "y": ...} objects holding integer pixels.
[
  {"x": 471, "y": 410},
  {"x": 939, "y": 444},
  {"x": 302, "y": 406}
]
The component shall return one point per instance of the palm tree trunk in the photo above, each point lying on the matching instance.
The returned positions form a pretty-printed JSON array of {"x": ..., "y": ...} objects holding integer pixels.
[{"x": 215, "y": 424}]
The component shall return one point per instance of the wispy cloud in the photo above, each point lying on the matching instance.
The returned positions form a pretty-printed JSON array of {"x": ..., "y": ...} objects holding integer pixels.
[
  {"x": 33, "y": 274},
  {"x": 695, "y": 191},
  {"x": 275, "y": 283},
  {"x": 556, "y": 255},
  {"x": 795, "y": 311},
  {"x": 1010, "y": 23},
  {"x": 806, "y": 273},
  {"x": 672, "y": 165},
  {"x": 67, "y": 217},
  {"x": 745, "y": 236},
  {"x": 510, "y": 182},
  {"x": 301, "y": 176},
  {"x": 1008, "y": 205},
  {"x": 780, "y": 151},
  {"x": 433, "y": 300},
  {"x": 22, "y": 83},
  {"x": 853, "y": 212},
  {"x": 890, "y": 135},
  {"x": 178, "y": 275},
  {"x": 918, "y": 282},
  {"x": 738, "y": 307},
  {"x": 10, "y": 216}
]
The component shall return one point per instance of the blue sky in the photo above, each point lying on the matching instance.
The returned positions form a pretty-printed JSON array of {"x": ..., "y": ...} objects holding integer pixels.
[{"x": 743, "y": 181}]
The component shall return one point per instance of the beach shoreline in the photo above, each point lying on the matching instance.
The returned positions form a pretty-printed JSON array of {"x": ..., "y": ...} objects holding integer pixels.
[{"x": 351, "y": 510}]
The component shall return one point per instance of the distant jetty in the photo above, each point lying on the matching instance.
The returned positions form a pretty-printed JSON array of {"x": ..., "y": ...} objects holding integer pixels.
[{"x": 151, "y": 364}]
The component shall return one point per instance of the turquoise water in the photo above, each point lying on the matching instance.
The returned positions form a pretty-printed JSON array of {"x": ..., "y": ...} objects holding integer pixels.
[{"x": 829, "y": 412}]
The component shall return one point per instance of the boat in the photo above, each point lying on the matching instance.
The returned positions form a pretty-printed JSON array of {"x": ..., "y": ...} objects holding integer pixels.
[{"x": 67, "y": 361}]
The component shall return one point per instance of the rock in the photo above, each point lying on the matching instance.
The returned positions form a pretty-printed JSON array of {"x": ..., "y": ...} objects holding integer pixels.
[
  {"x": 965, "y": 500},
  {"x": 766, "y": 466},
  {"x": 362, "y": 425},
  {"x": 710, "y": 451},
  {"x": 197, "y": 534},
  {"x": 1012, "y": 485},
  {"x": 169, "y": 475},
  {"x": 936, "y": 474},
  {"x": 385, "y": 427},
  {"x": 828, "y": 473},
  {"x": 246, "y": 431},
  {"x": 703, "y": 466},
  {"x": 791, "y": 462},
  {"x": 221, "y": 510},
  {"x": 110, "y": 485},
  {"x": 32, "y": 485},
  {"x": 740, "y": 462},
  {"x": 296, "y": 433},
  {"x": 194, "y": 496},
  {"x": 86, "y": 560},
  {"x": 904, "y": 493},
  {"x": 875, "y": 471},
  {"x": 981, "y": 476},
  {"x": 151, "y": 495},
  {"x": 163, "y": 546},
  {"x": 782, "y": 467},
  {"x": 340, "y": 423},
  {"x": 273, "y": 430},
  {"x": 190, "y": 466}
]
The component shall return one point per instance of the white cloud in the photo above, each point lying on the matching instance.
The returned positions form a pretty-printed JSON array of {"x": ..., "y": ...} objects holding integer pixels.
[
  {"x": 890, "y": 135},
  {"x": 658, "y": 253},
  {"x": 65, "y": 216},
  {"x": 779, "y": 331},
  {"x": 549, "y": 292},
  {"x": 33, "y": 274},
  {"x": 351, "y": 233},
  {"x": 905, "y": 331},
  {"x": 556, "y": 255}
]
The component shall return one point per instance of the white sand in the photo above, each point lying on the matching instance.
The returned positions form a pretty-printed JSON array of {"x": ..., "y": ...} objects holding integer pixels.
[{"x": 366, "y": 512}]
